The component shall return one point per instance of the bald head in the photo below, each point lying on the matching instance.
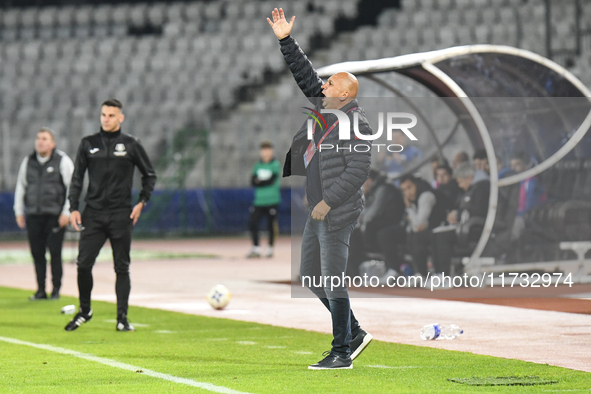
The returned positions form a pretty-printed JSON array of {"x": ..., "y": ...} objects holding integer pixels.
[{"x": 339, "y": 90}]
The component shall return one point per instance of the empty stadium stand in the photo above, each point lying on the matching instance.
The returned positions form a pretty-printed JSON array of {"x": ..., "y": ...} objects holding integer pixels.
[{"x": 201, "y": 63}]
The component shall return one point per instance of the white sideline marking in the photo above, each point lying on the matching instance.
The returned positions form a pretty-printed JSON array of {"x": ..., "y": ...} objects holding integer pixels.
[
  {"x": 303, "y": 353},
  {"x": 389, "y": 367},
  {"x": 246, "y": 342},
  {"x": 127, "y": 367}
]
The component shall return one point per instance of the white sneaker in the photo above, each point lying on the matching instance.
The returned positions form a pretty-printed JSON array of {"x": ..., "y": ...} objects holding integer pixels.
[
  {"x": 269, "y": 252},
  {"x": 255, "y": 252}
]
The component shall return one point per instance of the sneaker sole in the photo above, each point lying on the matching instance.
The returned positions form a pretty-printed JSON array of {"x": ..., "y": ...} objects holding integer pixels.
[
  {"x": 319, "y": 368},
  {"x": 366, "y": 340}
]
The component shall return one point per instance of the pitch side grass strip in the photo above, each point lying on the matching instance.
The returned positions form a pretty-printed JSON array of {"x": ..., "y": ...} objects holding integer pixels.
[{"x": 128, "y": 367}]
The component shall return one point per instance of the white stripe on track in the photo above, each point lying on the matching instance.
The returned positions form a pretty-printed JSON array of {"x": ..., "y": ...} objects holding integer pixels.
[{"x": 128, "y": 367}]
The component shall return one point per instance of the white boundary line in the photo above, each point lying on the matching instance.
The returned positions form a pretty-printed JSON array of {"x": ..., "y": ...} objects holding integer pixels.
[
  {"x": 389, "y": 367},
  {"x": 127, "y": 367}
]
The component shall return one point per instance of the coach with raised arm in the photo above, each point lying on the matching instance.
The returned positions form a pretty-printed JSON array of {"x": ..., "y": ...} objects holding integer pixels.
[
  {"x": 335, "y": 177},
  {"x": 110, "y": 157}
]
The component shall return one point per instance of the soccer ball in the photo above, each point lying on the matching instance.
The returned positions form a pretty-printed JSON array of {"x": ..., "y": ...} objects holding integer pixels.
[{"x": 219, "y": 296}]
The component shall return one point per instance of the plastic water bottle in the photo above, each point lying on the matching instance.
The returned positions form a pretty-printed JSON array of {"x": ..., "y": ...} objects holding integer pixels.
[
  {"x": 69, "y": 309},
  {"x": 437, "y": 331}
]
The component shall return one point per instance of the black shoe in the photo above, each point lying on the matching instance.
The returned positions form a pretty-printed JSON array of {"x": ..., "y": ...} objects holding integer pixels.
[
  {"x": 78, "y": 320},
  {"x": 123, "y": 324},
  {"x": 333, "y": 361},
  {"x": 55, "y": 294},
  {"x": 40, "y": 295},
  {"x": 359, "y": 343}
]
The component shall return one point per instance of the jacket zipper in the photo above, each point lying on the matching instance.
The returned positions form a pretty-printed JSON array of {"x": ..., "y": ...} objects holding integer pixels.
[
  {"x": 107, "y": 172},
  {"x": 322, "y": 187},
  {"x": 40, "y": 187}
]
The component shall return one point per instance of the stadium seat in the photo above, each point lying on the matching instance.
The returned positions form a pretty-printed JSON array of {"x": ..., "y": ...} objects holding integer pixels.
[
  {"x": 29, "y": 17},
  {"x": 47, "y": 17},
  {"x": 10, "y": 18},
  {"x": 120, "y": 14}
]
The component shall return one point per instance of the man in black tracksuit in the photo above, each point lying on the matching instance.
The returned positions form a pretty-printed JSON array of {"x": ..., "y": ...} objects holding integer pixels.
[
  {"x": 334, "y": 192},
  {"x": 110, "y": 158}
]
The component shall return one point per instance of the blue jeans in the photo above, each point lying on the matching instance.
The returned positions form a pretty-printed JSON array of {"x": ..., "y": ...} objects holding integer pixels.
[{"x": 324, "y": 255}]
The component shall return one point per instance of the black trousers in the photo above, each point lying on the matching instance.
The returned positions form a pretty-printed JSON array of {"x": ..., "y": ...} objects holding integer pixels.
[
  {"x": 444, "y": 250},
  {"x": 45, "y": 233},
  {"x": 256, "y": 214},
  {"x": 392, "y": 241},
  {"x": 98, "y": 227}
]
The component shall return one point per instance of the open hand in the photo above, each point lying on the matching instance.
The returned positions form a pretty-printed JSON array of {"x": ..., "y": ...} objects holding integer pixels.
[
  {"x": 281, "y": 27},
  {"x": 21, "y": 222},
  {"x": 136, "y": 212}
]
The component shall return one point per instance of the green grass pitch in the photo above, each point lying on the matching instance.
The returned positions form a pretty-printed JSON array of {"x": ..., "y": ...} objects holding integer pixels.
[{"x": 240, "y": 356}]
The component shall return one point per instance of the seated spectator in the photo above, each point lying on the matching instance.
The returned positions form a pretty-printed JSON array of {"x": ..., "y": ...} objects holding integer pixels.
[
  {"x": 436, "y": 162},
  {"x": 515, "y": 201},
  {"x": 424, "y": 213},
  {"x": 532, "y": 193},
  {"x": 466, "y": 220},
  {"x": 459, "y": 158},
  {"x": 501, "y": 243},
  {"x": 383, "y": 207},
  {"x": 447, "y": 185},
  {"x": 474, "y": 200},
  {"x": 480, "y": 160},
  {"x": 395, "y": 163},
  {"x": 501, "y": 169}
]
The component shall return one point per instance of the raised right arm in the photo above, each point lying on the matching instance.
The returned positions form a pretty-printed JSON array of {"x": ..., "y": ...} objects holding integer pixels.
[{"x": 300, "y": 66}]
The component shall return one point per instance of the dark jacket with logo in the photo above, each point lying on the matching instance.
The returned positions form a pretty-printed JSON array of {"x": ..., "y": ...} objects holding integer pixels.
[
  {"x": 342, "y": 171},
  {"x": 474, "y": 202},
  {"x": 46, "y": 191},
  {"x": 110, "y": 159}
]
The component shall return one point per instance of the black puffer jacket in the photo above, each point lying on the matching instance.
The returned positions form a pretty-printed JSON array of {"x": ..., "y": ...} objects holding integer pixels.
[{"x": 342, "y": 171}]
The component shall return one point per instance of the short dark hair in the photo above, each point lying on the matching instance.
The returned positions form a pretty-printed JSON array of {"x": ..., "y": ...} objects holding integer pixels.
[
  {"x": 480, "y": 154},
  {"x": 463, "y": 156},
  {"x": 441, "y": 161},
  {"x": 523, "y": 156},
  {"x": 409, "y": 177},
  {"x": 445, "y": 167},
  {"x": 113, "y": 103},
  {"x": 374, "y": 174},
  {"x": 266, "y": 145}
]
